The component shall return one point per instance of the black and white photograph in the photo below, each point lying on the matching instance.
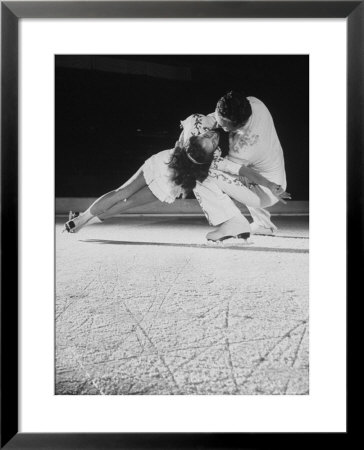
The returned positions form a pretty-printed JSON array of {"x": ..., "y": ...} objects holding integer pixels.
[{"x": 181, "y": 224}]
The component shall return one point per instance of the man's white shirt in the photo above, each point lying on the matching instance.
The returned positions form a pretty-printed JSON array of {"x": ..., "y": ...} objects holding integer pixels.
[{"x": 257, "y": 145}]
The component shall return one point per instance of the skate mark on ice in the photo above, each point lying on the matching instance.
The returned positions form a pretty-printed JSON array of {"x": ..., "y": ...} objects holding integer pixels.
[
  {"x": 268, "y": 352},
  {"x": 295, "y": 359},
  {"x": 298, "y": 347},
  {"x": 194, "y": 316},
  {"x": 146, "y": 335},
  {"x": 205, "y": 348},
  {"x": 87, "y": 373},
  {"x": 88, "y": 338},
  {"x": 171, "y": 285},
  {"x": 113, "y": 283},
  {"x": 227, "y": 348},
  {"x": 74, "y": 298}
]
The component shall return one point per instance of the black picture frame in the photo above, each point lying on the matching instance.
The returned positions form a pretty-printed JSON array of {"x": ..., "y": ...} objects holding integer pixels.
[{"x": 11, "y": 12}]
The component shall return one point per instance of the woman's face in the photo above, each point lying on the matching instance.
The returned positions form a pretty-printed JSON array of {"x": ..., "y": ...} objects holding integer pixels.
[{"x": 209, "y": 141}]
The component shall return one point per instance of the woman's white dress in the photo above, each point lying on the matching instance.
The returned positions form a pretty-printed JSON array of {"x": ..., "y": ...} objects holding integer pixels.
[{"x": 158, "y": 175}]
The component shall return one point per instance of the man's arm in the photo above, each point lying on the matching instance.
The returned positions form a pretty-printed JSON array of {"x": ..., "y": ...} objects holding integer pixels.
[{"x": 252, "y": 175}]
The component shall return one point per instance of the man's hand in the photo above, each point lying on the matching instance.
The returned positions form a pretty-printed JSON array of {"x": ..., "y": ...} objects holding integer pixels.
[{"x": 279, "y": 192}]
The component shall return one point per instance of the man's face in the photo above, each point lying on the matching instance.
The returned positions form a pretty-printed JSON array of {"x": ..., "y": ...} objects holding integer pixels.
[{"x": 226, "y": 124}]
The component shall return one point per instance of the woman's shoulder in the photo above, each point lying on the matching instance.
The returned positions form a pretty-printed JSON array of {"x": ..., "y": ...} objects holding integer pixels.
[
  {"x": 196, "y": 117},
  {"x": 198, "y": 123}
]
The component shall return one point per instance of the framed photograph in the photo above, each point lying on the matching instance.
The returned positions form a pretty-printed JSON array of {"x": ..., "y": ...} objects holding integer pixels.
[{"x": 181, "y": 191}]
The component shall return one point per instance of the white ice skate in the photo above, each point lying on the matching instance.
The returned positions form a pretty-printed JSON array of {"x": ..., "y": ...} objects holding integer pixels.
[
  {"x": 262, "y": 231},
  {"x": 70, "y": 225},
  {"x": 236, "y": 227}
]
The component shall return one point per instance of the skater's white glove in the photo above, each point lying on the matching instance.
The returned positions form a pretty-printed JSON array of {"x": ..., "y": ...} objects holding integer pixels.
[{"x": 225, "y": 165}]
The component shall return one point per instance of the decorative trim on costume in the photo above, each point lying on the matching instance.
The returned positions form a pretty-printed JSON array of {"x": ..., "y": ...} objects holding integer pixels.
[{"x": 229, "y": 180}]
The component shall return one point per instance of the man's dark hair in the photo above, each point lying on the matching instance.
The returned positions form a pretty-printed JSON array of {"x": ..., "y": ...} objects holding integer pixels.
[{"x": 234, "y": 106}]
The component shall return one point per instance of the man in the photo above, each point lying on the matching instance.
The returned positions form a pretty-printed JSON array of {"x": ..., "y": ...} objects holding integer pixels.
[{"x": 255, "y": 164}]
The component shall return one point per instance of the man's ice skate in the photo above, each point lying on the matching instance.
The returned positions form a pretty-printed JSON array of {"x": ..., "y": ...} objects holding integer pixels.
[
  {"x": 237, "y": 227},
  {"x": 262, "y": 231}
]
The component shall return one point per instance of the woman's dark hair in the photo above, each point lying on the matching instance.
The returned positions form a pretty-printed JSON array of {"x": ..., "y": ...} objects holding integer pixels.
[
  {"x": 234, "y": 106},
  {"x": 185, "y": 171}
]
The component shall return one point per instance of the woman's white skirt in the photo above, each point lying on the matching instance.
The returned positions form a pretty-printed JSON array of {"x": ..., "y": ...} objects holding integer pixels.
[{"x": 158, "y": 177}]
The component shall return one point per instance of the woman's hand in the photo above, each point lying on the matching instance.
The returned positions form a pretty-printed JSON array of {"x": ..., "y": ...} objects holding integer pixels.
[{"x": 279, "y": 192}]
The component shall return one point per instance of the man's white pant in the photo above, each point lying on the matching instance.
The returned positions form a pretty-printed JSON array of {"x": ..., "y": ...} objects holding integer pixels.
[{"x": 215, "y": 196}]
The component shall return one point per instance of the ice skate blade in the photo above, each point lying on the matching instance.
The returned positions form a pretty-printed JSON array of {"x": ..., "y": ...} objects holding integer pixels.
[
  {"x": 240, "y": 236},
  {"x": 230, "y": 241},
  {"x": 264, "y": 232}
]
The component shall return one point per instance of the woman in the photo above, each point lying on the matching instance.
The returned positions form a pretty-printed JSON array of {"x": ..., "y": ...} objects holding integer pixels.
[{"x": 165, "y": 176}]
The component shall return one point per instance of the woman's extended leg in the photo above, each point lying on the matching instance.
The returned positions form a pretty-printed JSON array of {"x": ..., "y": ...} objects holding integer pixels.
[
  {"x": 118, "y": 208},
  {"x": 107, "y": 201},
  {"x": 142, "y": 197}
]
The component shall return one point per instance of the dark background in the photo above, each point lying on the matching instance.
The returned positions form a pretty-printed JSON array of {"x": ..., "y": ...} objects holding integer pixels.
[{"x": 113, "y": 112}]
